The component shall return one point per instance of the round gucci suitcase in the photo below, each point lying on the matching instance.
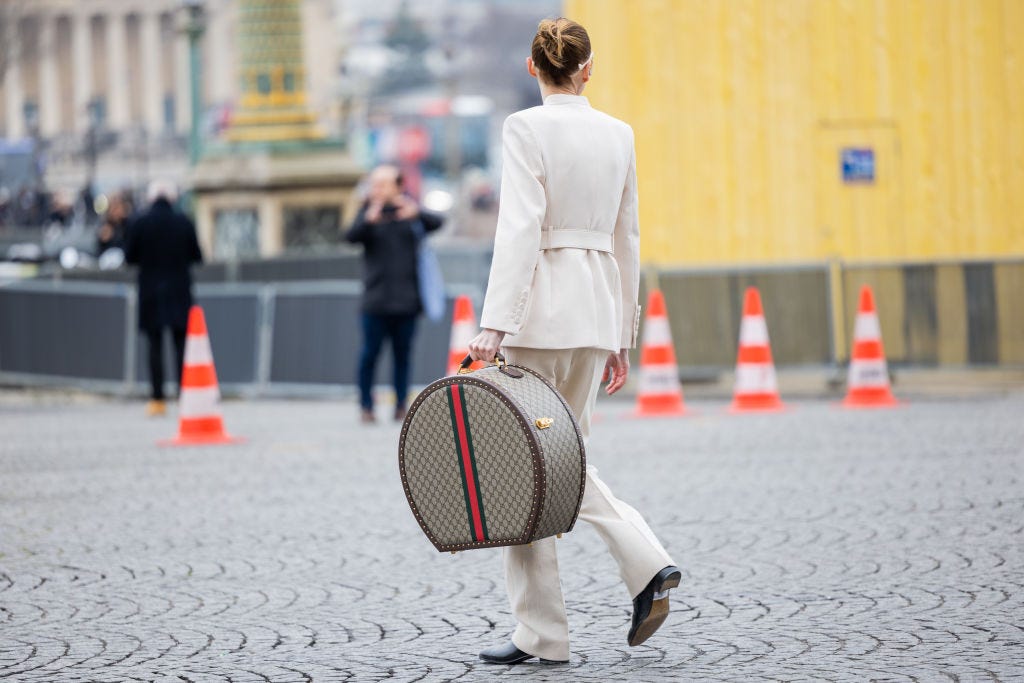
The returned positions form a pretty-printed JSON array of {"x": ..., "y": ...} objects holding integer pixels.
[{"x": 492, "y": 457}]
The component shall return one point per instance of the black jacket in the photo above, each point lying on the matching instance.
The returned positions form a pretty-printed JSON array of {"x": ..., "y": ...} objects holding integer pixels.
[
  {"x": 163, "y": 243},
  {"x": 390, "y": 279}
]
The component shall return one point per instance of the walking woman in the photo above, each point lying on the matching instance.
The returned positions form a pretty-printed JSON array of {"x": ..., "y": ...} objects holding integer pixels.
[{"x": 562, "y": 300}]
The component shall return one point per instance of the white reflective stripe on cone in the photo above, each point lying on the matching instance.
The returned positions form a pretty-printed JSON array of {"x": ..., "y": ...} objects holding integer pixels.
[
  {"x": 754, "y": 378},
  {"x": 868, "y": 373},
  {"x": 656, "y": 332},
  {"x": 197, "y": 350},
  {"x": 199, "y": 402},
  {"x": 659, "y": 379},
  {"x": 753, "y": 331},
  {"x": 867, "y": 327}
]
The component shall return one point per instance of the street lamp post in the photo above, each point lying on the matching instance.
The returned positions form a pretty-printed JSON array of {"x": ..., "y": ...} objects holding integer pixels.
[
  {"x": 91, "y": 141},
  {"x": 194, "y": 27}
]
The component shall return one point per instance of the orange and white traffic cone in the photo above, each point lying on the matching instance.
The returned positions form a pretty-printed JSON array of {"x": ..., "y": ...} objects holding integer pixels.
[
  {"x": 660, "y": 392},
  {"x": 463, "y": 330},
  {"x": 199, "y": 418},
  {"x": 756, "y": 388},
  {"x": 868, "y": 380}
]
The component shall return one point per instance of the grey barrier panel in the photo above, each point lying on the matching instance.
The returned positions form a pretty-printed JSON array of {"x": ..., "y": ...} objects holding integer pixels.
[
  {"x": 314, "y": 337},
  {"x": 344, "y": 266},
  {"x": 700, "y": 313},
  {"x": 705, "y": 308},
  {"x": 317, "y": 337},
  {"x": 121, "y": 276},
  {"x": 797, "y": 309},
  {"x": 211, "y": 272},
  {"x": 64, "y": 331},
  {"x": 232, "y": 320},
  {"x": 982, "y": 316},
  {"x": 1008, "y": 281},
  {"x": 887, "y": 282},
  {"x": 920, "y": 315}
]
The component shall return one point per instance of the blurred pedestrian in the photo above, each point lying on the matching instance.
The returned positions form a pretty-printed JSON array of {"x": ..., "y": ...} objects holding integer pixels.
[
  {"x": 112, "y": 231},
  {"x": 390, "y": 226},
  {"x": 62, "y": 210},
  {"x": 162, "y": 242},
  {"x": 5, "y": 207},
  {"x": 563, "y": 300}
]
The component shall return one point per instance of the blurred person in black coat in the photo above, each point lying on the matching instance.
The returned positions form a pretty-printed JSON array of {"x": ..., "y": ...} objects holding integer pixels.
[
  {"x": 387, "y": 226},
  {"x": 162, "y": 242}
]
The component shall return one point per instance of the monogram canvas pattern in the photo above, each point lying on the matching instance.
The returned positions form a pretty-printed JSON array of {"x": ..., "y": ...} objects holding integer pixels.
[
  {"x": 563, "y": 457},
  {"x": 504, "y": 464},
  {"x": 431, "y": 470}
]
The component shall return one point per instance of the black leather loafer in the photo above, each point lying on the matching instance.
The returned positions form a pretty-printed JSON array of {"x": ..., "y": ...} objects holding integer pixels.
[
  {"x": 650, "y": 608},
  {"x": 510, "y": 654}
]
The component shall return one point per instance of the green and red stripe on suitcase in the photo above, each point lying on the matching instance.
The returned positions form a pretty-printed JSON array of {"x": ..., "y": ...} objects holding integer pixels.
[{"x": 467, "y": 463}]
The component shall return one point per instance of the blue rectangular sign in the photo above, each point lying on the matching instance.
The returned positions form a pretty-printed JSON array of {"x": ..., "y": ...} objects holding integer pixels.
[{"x": 858, "y": 164}]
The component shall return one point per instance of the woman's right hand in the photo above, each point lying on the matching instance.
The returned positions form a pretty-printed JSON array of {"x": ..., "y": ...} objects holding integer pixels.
[
  {"x": 485, "y": 346},
  {"x": 616, "y": 370}
]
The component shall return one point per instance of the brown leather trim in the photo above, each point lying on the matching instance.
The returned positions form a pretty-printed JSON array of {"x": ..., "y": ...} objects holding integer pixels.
[
  {"x": 539, "y": 478},
  {"x": 579, "y": 437},
  {"x": 511, "y": 371}
]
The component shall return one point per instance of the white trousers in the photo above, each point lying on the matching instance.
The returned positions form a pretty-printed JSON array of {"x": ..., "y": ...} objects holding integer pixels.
[{"x": 531, "y": 571}]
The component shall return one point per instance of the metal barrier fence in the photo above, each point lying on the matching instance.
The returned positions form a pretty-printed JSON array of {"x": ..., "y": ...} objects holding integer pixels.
[
  {"x": 945, "y": 313},
  {"x": 302, "y": 336},
  {"x": 705, "y": 307},
  {"x": 299, "y": 338},
  {"x": 953, "y": 313}
]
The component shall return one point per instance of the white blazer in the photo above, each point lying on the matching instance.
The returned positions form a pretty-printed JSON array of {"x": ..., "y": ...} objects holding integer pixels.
[{"x": 566, "y": 266}]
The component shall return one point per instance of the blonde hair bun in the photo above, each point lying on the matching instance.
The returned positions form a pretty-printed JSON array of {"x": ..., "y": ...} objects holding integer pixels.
[
  {"x": 559, "y": 48},
  {"x": 553, "y": 43}
]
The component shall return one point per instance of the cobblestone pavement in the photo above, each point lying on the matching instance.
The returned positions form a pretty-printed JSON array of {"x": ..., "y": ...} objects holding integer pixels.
[{"x": 815, "y": 544}]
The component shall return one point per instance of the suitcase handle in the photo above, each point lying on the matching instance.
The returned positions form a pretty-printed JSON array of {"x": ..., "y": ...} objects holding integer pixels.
[{"x": 499, "y": 360}]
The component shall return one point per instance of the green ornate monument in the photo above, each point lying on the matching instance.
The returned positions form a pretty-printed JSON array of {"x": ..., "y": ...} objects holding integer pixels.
[
  {"x": 275, "y": 180},
  {"x": 272, "y": 75}
]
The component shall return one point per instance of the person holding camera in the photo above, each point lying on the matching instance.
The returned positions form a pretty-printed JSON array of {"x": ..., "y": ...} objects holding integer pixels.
[{"x": 390, "y": 226}]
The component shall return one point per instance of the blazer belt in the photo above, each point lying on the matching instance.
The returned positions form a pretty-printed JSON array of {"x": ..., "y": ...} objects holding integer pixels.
[{"x": 576, "y": 239}]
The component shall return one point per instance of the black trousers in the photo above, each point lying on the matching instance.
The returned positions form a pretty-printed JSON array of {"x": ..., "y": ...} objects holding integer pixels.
[{"x": 155, "y": 339}]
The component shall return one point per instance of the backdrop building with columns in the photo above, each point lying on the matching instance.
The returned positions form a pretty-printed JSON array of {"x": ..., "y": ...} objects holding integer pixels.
[{"x": 104, "y": 84}]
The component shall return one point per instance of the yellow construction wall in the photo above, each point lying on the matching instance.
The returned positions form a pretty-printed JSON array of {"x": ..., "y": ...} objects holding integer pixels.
[{"x": 741, "y": 107}]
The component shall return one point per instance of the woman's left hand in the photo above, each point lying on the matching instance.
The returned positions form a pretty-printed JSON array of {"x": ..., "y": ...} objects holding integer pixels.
[
  {"x": 616, "y": 370},
  {"x": 485, "y": 345}
]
